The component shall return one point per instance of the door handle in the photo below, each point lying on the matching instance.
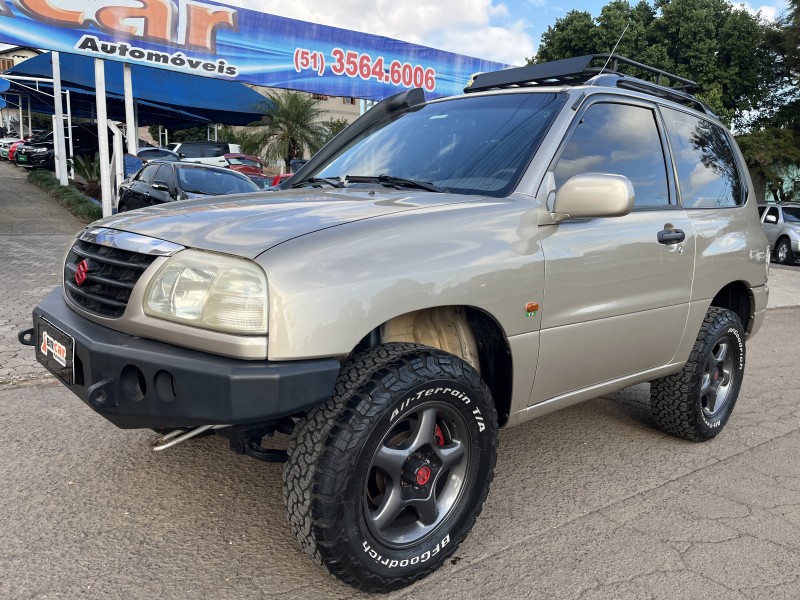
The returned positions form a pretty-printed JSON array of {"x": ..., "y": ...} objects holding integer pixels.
[{"x": 671, "y": 236}]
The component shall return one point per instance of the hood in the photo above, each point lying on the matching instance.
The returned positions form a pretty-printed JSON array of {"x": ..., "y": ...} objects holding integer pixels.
[{"x": 249, "y": 224}]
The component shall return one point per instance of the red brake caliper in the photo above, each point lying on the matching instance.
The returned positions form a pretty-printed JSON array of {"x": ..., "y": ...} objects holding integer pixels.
[{"x": 438, "y": 435}]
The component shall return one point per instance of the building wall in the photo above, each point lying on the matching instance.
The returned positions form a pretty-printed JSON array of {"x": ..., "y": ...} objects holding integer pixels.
[{"x": 13, "y": 56}]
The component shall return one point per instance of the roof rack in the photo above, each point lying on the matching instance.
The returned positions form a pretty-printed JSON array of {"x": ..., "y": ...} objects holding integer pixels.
[{"x": 580, "y": 70}]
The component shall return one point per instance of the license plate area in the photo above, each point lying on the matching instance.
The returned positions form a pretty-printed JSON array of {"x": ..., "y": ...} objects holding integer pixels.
[
  {"x": 55, "y": 349},
  {"x": 22, "y": 158}
]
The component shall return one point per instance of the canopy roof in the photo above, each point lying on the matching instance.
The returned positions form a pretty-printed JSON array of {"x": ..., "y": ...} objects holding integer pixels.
[{"x": 164, "y": 97}]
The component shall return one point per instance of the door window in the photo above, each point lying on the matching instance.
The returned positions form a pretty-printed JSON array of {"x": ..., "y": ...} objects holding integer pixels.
[
  {"x": 146, "y": 175},
  {"x": 708, "y": 175},
  {"x": 166, "y": 175},
  {"x": 619, "y": 139}
]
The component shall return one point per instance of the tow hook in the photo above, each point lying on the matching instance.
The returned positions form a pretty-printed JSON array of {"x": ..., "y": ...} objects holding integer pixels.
[{"x": 25, "y": 337}]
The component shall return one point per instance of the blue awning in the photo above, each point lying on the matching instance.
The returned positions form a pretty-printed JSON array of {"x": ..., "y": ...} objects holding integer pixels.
[{"x": 166, "y": 98}]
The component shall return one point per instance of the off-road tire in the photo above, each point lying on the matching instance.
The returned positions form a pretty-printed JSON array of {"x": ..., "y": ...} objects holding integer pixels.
[
  {"x": 331, "y": 460},
  {"x": 783, "y": 252},
  {"x": 684, "y": 404}
]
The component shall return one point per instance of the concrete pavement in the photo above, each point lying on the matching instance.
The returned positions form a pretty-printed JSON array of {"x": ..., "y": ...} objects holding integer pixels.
[{"x": 590, "y": 502}]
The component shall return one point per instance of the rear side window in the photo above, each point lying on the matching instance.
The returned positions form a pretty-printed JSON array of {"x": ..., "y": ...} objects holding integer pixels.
[
  {"x": 214, "y": 150},
  {"x": 191, "y": 150},
  {"x": 622, "y": 140},
  {"x": 708, "y": 175}
]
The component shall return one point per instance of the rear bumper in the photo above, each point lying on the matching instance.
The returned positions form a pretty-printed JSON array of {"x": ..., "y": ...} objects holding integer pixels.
[{"x": 135, "y": 382}]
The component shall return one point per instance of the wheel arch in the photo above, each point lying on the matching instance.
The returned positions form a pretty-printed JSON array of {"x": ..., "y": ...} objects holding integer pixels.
[
  {"x": 470, "y": 333},
  {"x": 738, "y": 297}
]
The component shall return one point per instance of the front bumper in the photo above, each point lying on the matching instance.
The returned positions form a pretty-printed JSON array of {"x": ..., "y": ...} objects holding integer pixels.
[
  {"x": 136, "y": 382},
  {"x": 31, "y": 160}
]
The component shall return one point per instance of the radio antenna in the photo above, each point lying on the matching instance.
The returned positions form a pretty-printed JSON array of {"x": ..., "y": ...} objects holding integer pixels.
[{"x": 610, "y": 56}]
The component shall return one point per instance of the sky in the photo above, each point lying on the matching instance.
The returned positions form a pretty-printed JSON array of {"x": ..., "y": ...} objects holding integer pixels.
[{"x": 506, "y": 31}]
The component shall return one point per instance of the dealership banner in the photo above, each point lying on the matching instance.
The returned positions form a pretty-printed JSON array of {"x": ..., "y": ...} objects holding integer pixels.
[{"x": 215, "y": 40}]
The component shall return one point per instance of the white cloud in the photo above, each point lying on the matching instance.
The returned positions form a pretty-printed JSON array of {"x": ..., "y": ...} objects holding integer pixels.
[
  {"x": 769, "y": 12},
  {"x": 479, "y": 28}
]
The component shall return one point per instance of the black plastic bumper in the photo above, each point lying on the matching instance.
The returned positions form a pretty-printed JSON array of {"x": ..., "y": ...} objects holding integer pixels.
[{"x": 135, "y": 382}]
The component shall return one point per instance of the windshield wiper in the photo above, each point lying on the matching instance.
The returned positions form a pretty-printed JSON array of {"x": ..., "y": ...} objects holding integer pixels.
[
  {"x": 331, "y": 181},
  {"x": 395, "y": 181}
]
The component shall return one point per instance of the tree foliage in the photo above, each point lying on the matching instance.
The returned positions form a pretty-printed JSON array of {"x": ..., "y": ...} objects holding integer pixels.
[
  {"x": 747, "y": 69},
  {"x": 719, "y": 46}
]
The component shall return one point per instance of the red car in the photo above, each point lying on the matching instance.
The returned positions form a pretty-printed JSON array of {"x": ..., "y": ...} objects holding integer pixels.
[
  {"x": 12, "y": 150},
  {"x": 249, "y": 165},
  {"x": 281, "y": 178}
]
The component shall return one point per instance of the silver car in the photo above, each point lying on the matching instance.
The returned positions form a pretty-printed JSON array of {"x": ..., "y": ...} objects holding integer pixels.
[
  {"x": 781, "y": 223},
  {"x": 441, "y": 269}
]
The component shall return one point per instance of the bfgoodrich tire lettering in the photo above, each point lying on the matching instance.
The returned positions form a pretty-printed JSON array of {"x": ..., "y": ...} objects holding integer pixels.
[
  {"x": 386, "y": 479},
  {"x": 696, "y": 402}
]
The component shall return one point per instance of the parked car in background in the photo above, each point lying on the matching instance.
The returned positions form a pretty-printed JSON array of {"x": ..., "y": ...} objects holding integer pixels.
[
  {"x": 278, "y": 179},
  {"x": 243, "y": 163},
  {"x": 781, "y": 223},
  {"x": 39, "y": 151},
  {"x": 209, "y": 153},
  {"x": 261, "y": 181},
  {"x": 159, "y": 182},
  {"x": 5, "y": 144},
  {"x": 12, "y": 150},
  {"x": 148, "y": 154}
]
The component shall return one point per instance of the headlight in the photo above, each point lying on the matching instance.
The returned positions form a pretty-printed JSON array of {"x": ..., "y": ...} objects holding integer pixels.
[{"x": 212, "y": 291}]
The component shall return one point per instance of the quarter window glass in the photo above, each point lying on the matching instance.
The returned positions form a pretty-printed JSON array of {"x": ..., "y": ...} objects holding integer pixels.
[
  {"x": 707, "y": 171},
  {"x": 622, "y": 140}
]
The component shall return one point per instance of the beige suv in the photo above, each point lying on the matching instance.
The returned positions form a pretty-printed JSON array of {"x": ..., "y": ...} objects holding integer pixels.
[{"x": 440, "y": 270}]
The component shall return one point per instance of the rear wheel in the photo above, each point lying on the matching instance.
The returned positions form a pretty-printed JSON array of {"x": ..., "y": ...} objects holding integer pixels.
[
  {"x": 385, "y": 480},
  {"x": 696, "y": 402}
]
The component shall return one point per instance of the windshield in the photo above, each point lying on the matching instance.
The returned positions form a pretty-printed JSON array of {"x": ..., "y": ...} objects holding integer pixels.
[
  {"x": 471, "y": 145},
  {"x": 212, "y": 182}
]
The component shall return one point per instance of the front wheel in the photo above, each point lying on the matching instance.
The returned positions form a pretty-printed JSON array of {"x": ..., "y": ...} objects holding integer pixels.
[
  {"x": 783, "y": 253},
  {"x": 385, "y": 480},
  {"x": 696, "y": 402}
]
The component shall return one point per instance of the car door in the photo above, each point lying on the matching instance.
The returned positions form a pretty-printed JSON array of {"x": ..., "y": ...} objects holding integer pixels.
[
  {"x": 772, "y": 228},
  {"x": 616, "y": 289},
  {"x": 139, "y": 190},
  {"x": 162, "y": 188},
  {"x": 214, "y": 154}
]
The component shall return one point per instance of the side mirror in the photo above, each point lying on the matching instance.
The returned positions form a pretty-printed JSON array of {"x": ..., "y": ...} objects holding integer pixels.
[
  {"x": 594, "y": 195},
  {"x": 161, "y": 186},
  {"x": 770, "y": 219}
]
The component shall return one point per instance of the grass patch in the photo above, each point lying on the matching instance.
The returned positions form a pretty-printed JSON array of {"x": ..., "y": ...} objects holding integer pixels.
[{"x": 79, "y": 205}]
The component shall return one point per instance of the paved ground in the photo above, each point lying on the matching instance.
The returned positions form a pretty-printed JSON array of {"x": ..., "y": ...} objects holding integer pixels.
[{"x": 588, "y": 503}]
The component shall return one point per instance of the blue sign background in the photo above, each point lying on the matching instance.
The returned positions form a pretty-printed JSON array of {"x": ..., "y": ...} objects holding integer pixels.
[{"x": 265, "y": 50}]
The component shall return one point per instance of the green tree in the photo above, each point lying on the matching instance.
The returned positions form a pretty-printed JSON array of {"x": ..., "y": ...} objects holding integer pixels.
[
  {"x": 719, "y": 46},
  {"x": 333, "y": 126},
  {"x": 291, "y": 128}
]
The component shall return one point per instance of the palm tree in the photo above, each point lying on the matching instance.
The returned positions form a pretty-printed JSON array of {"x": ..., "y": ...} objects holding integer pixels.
[{"x": 292, "y": 127}]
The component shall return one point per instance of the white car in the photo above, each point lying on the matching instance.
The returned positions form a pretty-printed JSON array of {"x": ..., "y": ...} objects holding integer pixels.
[{"x": 208, "y": 153}]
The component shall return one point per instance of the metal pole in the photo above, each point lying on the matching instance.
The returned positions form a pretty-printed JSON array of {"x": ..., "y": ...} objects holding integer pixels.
[
  {"x": 58, "y": 132},
  {"x": 54, "y": 121},
  {"x": 130, "y": 118},
  {"x": 21, "y": 127},
  {"x": 102, "y": 134},
  {"x": 69, "y": 129},
  {"x": 30, "y": 124},
  {"x": 118, "y": 158}
]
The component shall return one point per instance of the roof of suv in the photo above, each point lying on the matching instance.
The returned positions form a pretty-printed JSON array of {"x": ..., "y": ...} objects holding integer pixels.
[{"x": 587, "y": 70}]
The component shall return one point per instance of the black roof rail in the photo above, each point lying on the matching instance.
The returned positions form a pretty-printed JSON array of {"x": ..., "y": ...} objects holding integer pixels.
[{"x": 582, "y": 69}]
